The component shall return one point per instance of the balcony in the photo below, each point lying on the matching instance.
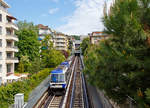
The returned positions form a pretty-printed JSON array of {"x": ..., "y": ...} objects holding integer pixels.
[
  {"x": 12, "y": 48},
  {"x": 11, "y": 25},
  {"x": 12, "y": 37},
  {"x": 60, "y": 41},
  {"x": 61, "y": 48},
  {"x": 12, "y": 60},
  {"x": 63, "y": 45},
  {"x": 4, "y": 9},
  {"x": 60, "y": 37}
]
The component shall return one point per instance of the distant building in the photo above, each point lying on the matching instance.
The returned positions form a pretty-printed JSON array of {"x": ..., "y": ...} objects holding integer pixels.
[
  {"x": 43, "y": 30},
  {"x": 7, "y": 43},
  {"x": 82, "y": 37},
  {"x": 77, "y": 44},
  {"x": 61, "y": 41},
  {"x": 95, "y": 37}
]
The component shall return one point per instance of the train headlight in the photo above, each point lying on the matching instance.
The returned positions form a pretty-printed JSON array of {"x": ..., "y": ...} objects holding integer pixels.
[{"x": 63, "y": 85}]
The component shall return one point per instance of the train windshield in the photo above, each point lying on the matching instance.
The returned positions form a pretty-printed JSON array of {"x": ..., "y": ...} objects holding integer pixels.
[{"x": 57, "y": 78}]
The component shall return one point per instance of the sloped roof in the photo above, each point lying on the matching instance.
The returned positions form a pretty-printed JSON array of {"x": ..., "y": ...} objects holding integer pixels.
[{"x": 41, "y": 26}]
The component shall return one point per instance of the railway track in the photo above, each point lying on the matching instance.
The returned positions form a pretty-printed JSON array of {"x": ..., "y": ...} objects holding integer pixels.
[
  {"x": 55, "y": 102},
  {"x": 78, "y": 101},
  {"x": 75, "y": 96}
]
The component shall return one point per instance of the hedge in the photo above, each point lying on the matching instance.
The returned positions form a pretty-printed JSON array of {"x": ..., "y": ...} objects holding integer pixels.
[{"x": 7, "y": 92}]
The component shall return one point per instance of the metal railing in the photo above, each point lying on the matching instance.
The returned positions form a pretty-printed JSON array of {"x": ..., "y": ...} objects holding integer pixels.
[
  {"x": 3, "y": 9},
  {"x": 12, "y": 24},
  {"x": 11, "y": 58},
  {"x": 14, "y": 47},
  {"x": 12, "y": 35}
]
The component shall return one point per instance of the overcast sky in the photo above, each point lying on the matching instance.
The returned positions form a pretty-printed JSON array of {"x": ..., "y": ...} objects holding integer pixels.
[{"x": 68, "y": 16}]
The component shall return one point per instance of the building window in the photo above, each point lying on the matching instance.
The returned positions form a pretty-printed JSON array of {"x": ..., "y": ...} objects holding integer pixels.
[
  {"x": 9, "y": 44},
  {"x": 0, "y": 42},
  {"x": 0, "y": 17},
  {"x": 0, "y": 30},
  {"x": 8, "y": 31},
  {"x": 0, "y": 55},
  {"x": 0, "y": 68},
  {"x": 9, "y": 55},
  {"x": 8, "y": 68}
]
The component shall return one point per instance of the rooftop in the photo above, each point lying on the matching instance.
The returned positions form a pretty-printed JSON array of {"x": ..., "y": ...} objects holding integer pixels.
[
  {"x": 56, "y": 71},
  {"x": 4, "y": 4},
  {"x": 41, "y": 26}
]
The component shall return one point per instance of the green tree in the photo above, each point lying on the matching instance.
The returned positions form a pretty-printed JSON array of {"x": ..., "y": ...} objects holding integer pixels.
[
  {"x": 36, "y": 66},
  {"x": 27, "y": 25},
  {"x": 21, "y": 67},
  {"x": 122, "y": 62},
  {"x": 50, "y": 57},
  {"x": 28, "y": 44},
  {"x": 85, "y": 44}
]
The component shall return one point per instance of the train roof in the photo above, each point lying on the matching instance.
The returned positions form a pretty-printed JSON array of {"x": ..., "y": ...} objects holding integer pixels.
[
  {"x": 57, "y": 71},
  {"x": 64, "y": 63}
]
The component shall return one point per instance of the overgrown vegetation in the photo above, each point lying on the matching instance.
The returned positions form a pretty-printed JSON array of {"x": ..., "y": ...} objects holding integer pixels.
[
  {"x": 49, "y": 56},
  {"x": 34, "y": 57},
  {"x": 76, "y": 37},
  {"x": 120, "y": 65},
  {"x": 7, "y": 92},
  {"x": 85, "y": 44}
]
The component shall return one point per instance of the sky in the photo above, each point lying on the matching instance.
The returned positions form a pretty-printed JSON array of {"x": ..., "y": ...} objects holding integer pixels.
[{"x": 78, "y": 17}]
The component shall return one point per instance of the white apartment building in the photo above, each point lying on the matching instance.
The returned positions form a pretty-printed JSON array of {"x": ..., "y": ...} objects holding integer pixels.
[
  {"x": 43, "y": 30},
  {"x": 61, "y": 41},
  {"x": 7, "y": 43},
  {"x": 95, "y": 37}
]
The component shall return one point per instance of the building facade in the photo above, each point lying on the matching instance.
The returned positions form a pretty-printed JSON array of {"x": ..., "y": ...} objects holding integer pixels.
[
  {"x": 61, "y": 41},
  {"x": 95, "y": 37},
  {"x": 43, "y": 30},
  {"x": 7, "y": 43}
]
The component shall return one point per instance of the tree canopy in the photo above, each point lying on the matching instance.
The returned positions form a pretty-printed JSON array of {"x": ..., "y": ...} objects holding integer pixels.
[
  {"x": 28, "y": 44},
  {"x": 50, "y": 57},
  {"x": 85, "y": 44},
  {"x": 120, "y": 65}
]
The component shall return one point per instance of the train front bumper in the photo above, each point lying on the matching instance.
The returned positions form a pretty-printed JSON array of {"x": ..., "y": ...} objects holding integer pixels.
[{"x": 58, "y": 86}]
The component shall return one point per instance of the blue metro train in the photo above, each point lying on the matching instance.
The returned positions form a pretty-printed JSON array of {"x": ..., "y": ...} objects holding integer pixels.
[{"x": 59, "y": 77}]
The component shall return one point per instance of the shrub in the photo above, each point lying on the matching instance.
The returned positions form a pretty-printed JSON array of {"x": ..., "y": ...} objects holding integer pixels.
[{"x": 7, "y": 92}]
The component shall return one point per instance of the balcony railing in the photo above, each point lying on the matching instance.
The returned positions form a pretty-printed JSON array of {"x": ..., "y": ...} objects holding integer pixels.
[
  {"x": 12, "y": 23},
  {"x": 11, "y": 35},
  {"x": 3, "y": 9},
  {"x": 15, "y": 47},
  {"x": 11, "y": 58}
]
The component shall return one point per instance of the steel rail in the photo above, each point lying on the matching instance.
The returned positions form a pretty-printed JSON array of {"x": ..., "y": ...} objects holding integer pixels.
[
  {"x": 66, "y": 98},
  {"x": 84, "y": 87},
  {"x": 73, "y": 89}
]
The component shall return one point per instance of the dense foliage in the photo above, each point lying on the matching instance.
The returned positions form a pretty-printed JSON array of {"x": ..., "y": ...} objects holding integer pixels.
[
  {"x": 120, "y": 65},
  {"x": 76, "y": 37},
  {"x": 7, "y": 92},
  {"x": 28, "y": 44},
  {"x": 85, "y": 44},
  {"x": 65, "y": 53},
  {"x": 34, "y": 56},
  {"x": 50, "y": 57}
]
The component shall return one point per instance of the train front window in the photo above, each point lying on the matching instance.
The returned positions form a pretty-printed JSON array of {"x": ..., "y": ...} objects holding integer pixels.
[
  {"x": 61, "y": 78},
  {"x": 57, "y": 78}
]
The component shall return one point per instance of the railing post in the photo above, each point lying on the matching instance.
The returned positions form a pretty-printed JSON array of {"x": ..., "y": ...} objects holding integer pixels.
[{"x": 19, "y": 100}]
